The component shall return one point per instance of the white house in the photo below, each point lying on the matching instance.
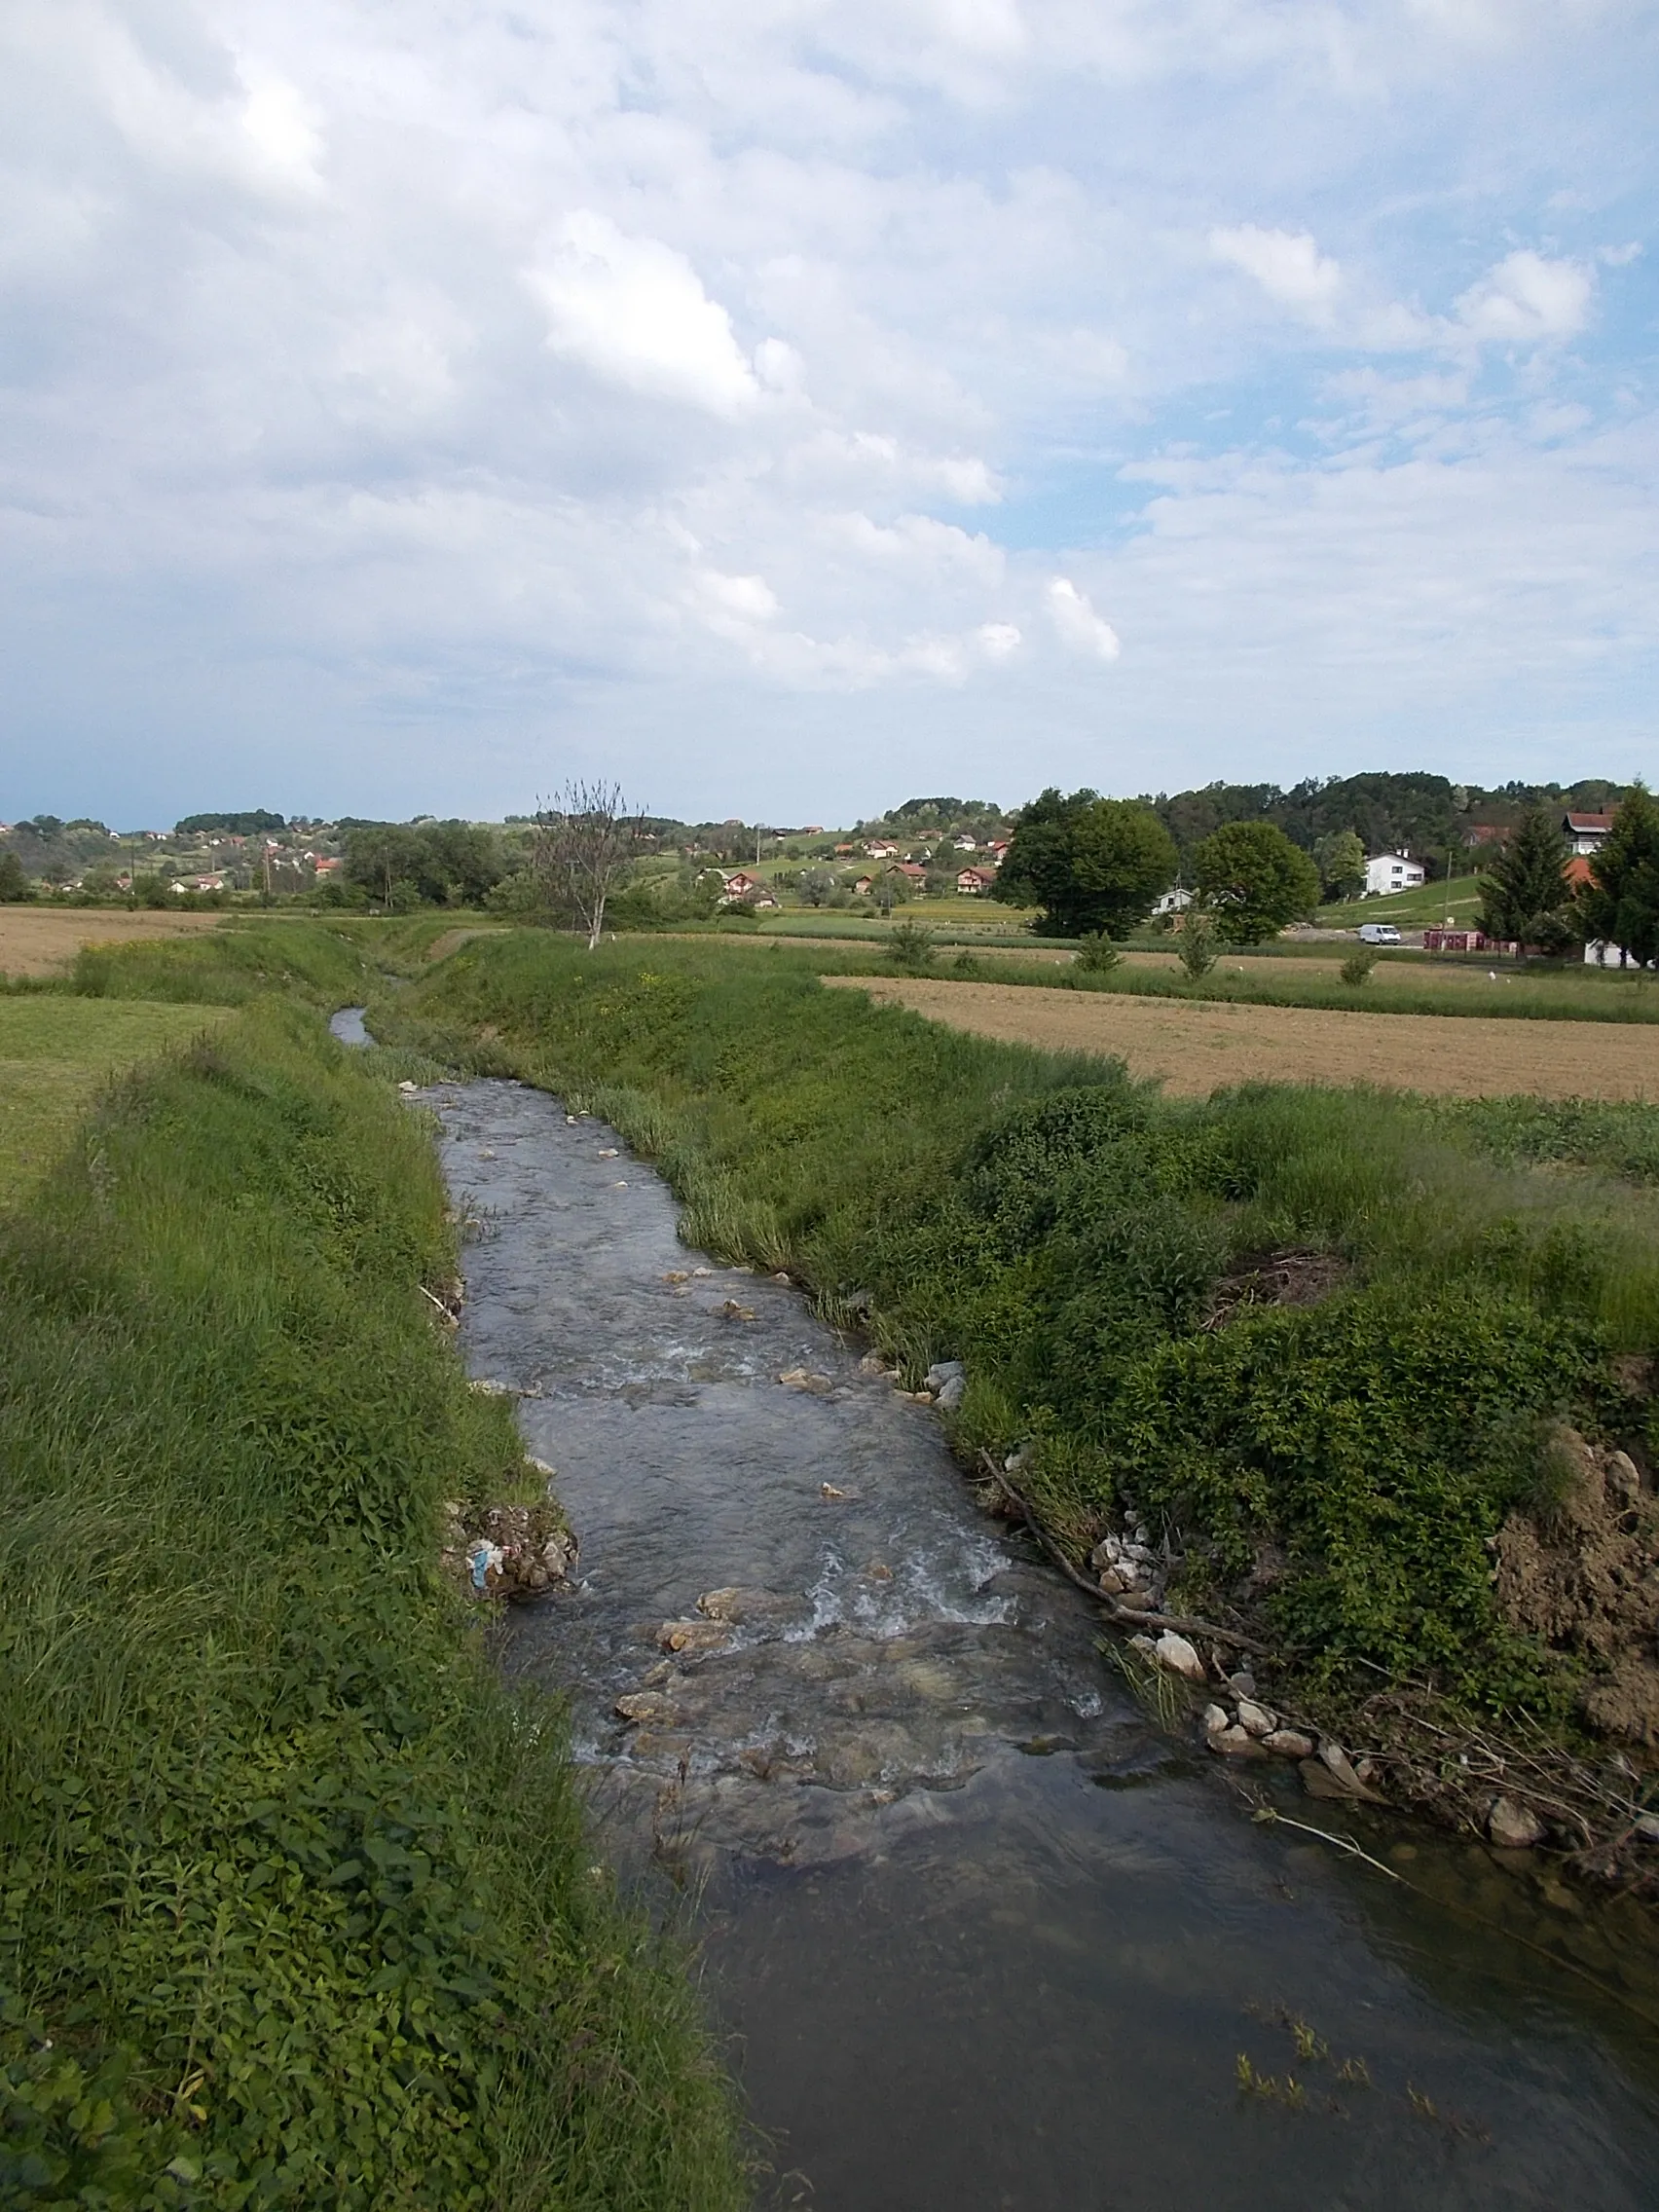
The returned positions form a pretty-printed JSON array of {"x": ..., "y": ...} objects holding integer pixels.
[
  {"x": 1175, "y": 901},
  {"x": 1391, "y": 872}
]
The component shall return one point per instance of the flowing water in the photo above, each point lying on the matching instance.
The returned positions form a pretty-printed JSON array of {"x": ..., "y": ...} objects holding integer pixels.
[{"x": 982, "y": 1935}]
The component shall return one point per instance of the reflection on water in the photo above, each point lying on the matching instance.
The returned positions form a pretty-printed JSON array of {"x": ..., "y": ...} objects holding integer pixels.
[{"x": 983, "y": 1938}]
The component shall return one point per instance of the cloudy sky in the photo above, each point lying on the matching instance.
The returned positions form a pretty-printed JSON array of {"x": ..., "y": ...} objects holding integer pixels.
[{"x": 790, "y": 405}]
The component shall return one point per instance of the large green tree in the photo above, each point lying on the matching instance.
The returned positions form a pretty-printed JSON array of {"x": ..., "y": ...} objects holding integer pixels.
[
  {"x": 1524, "y": 892},
  {"x": 1093, "y": 865},
  {"x": 1340, "y": 858},
  {"x": 1254, "y": 880},
  {"x": 1620, "y": 903}
]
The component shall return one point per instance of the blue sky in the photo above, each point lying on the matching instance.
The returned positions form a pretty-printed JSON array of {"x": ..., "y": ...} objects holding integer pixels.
[{"x": 790, "y": 405}]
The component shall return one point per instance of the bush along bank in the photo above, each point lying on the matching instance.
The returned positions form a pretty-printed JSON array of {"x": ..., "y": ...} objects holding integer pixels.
[
  {"x": 295, "y": 1902},
  {"x": 1334, "y": 1355}
]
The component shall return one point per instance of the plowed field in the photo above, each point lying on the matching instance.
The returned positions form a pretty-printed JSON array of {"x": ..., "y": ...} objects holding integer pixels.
[
  {"x": 1195, "y": 1049},
  {"x": 39, "y": 940}
]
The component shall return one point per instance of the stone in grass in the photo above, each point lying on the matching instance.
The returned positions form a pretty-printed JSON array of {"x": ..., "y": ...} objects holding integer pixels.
[
  {"x": 1175, "y": 1653},
  {"x": 1512, "y": 1825}
]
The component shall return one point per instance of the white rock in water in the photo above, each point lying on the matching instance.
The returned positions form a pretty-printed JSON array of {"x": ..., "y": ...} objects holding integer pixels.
[
  {"x": 1178, "y": 1656},
  {"x": 941, "y": 1372},
  {"x": 1256, "y": 1717},
  {"x": 1289, "y": 1744},
  {"x": 408, "y": 1088},
  {"x": 1513, "y": 1827},
  {"x": 1215, "y": 1719}
]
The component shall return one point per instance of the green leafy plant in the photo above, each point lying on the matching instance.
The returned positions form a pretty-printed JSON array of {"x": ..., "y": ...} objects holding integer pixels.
[
  {"x": 1097, "y": 955},
  {"x": 1196, "y": 945},
  {"x": 911, "y": 946},
  {"x": 1356, "y": 967}
]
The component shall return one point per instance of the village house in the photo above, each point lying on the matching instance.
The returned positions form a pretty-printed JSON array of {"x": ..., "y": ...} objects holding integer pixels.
[
  {"x": 882, "y": 851},
  {"x": 916, "y": 877},
  {"x": 1174, "y": 902},
  {"x": 739, "y": 887},
  {"x": 1391, "y": 872},
  {"x": 964, "y": 843},
  {"x": 1586, "y": 833},
  {"x": 863, "y": 885},
  {"x": 330, "y": 867},
  {"x": 972, "y": 882}
]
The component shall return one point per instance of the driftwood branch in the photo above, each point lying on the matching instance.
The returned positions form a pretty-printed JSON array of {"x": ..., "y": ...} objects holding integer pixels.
[{"x": 1122, "y": 1616}]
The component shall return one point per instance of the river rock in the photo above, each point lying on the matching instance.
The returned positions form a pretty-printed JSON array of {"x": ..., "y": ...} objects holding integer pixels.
[
  {"x": 950, "y": 1397},
  {"x": 1175, "y": 1653},
  {"x": 1242, "y": 1684},
  {"x": 640, "y": 1705},
  {"x": 1645, "y": 1827},
  {"x": 507, "y": 1551},
  {"x": 409, "y": 1088},
  {"x": 1215, "y": 1719},
  {"x": 799, "y": 1379},
  {"x": 1256, "y": 1717},
  {"x": 1336, "y": 1764},
  {"x": 1234, "y": 1743},
  {"x": 691, "y": 1635},
  {"x": 1112, "y": 1581},
  {"x": 1140, "y": 1602},
  {"x": 1288, "y": 1744},
  {"x": 1512, "y": 1825}
]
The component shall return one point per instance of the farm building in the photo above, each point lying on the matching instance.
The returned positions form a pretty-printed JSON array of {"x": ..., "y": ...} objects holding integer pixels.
[{"x": 972, "y": 882}]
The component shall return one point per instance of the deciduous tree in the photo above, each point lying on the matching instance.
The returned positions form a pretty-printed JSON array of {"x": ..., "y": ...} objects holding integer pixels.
[
  {"x": 585, "y": 841},
  {"x": 1093, "y": 865},
  {"x": 1253, "y": 880}
]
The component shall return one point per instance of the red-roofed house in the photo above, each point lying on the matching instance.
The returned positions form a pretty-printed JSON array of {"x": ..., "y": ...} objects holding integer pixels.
[{"x": 974, "y": 881}]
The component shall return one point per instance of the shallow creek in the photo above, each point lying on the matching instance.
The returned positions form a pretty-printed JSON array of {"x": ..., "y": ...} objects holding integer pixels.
[{"x": 980, "y": 1933}]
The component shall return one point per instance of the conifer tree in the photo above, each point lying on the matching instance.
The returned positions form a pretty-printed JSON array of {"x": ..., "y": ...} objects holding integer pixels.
[
  {"x": 1620, "y": 903},
  {"x": 1524, "y": 890}
]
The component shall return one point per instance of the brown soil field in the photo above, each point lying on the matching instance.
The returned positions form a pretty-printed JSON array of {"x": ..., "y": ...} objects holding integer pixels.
[
  {"x": 1193, "y": 1049},
  {"x": 40, "y": 941}
]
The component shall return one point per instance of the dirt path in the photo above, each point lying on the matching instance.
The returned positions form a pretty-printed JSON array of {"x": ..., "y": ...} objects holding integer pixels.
[
  {"x": 1196, "y": 1049},
  {"x": 37, "y": 940}
]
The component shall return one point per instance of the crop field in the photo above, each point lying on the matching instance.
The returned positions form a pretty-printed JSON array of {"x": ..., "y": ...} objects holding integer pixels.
[
  {"x": 55, "y": 1054},
  {"x": 40, "y": 941},
  {"x": 1195, "y": 1047}
]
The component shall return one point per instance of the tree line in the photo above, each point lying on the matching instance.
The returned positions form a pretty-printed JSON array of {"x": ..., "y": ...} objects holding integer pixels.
[{"x": 1096, "y": 867}]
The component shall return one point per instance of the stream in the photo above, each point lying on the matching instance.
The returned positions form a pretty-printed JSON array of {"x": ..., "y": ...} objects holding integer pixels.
[{"x": 977, "y": 1932}]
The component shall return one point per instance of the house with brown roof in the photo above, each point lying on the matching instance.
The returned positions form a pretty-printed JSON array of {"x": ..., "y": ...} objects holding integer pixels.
[
  {"x": 1586, "y": 833},
  {"x": 972, "y": 882}
]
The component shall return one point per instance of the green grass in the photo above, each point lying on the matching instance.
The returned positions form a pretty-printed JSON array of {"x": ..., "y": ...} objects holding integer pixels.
[
  {"x": 1064, "y": 1230},
  {"x": 1426, "y": 908},
  {"x": 321, "y": 964},
  {"x": 55, "y": 1054},
  {"x": 295, "y": 1901}
]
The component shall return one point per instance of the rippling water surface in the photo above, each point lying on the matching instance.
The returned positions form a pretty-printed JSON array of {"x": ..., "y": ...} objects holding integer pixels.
[{"x": 982, "y": 1936}]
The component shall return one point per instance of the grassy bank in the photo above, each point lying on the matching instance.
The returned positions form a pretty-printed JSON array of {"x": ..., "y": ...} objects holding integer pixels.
[
  {"x": 296, "y": 1905},
  {"x": 1333, "y": 1463}
]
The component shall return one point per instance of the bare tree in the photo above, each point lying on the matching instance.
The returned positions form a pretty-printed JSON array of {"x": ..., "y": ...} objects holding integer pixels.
[{"x": 583, "y": 843}]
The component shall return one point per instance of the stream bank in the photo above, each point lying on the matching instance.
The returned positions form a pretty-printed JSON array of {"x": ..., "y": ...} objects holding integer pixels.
[{"x": 981, "y": 1933}]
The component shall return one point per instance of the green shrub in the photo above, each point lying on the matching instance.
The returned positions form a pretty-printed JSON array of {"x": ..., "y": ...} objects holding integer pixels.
[{"x": 1356, "y": 967}]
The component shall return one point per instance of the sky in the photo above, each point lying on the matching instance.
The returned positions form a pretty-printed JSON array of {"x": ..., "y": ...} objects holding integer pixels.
[{"x": 786, "y": 407}]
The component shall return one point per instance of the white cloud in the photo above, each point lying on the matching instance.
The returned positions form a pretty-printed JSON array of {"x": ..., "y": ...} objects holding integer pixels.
[
  {"x": 1077, "y": 623},
  {"x": 634, "y": 311},
  {"x": 999, "y": 640},
  {"x": 1288, "y": 265},
  {"x": 1527, "y": 299}
]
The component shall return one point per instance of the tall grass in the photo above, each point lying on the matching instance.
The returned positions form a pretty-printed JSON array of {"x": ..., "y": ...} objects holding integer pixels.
[
  {"x": 1073, "y": 1236},
  {"x": 295, "y": 1905}
]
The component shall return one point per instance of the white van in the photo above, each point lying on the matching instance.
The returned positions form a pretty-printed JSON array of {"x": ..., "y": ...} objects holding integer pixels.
[{"x": 1378, "y": 933}]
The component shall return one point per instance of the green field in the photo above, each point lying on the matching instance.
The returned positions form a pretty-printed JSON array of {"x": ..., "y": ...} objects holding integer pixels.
[
  {"x": 1423, "y": 908},
  {"x": 56, "y": 1055}
]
